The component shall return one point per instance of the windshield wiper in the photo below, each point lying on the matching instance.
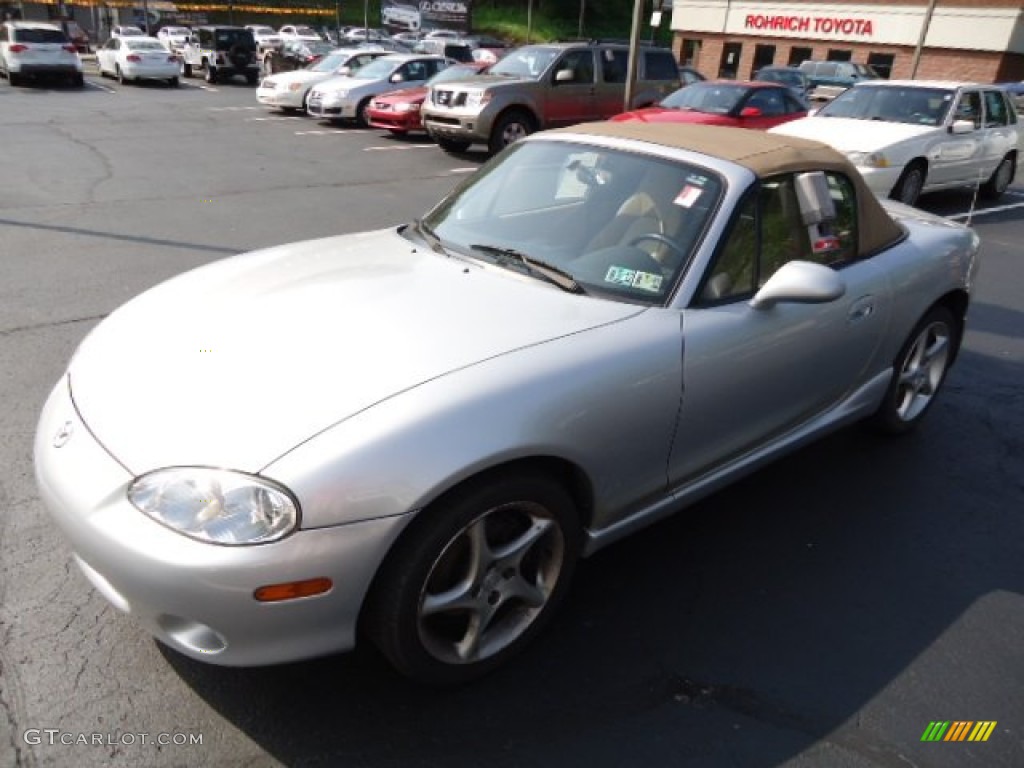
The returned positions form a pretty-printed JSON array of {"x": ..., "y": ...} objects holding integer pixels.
[
  {"x": 548, "y": 272},
  {"x": 430, "y": 236}
]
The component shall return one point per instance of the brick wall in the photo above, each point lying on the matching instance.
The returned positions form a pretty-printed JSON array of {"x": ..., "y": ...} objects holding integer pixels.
[{"x": 935, "y": 64}]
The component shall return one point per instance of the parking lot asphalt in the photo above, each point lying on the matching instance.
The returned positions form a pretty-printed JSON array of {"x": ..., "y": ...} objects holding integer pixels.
[{"x": 819, "y": 613}]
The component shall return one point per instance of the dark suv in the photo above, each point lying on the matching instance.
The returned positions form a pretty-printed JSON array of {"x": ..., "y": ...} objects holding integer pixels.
[{"x": 221, "y": 52}]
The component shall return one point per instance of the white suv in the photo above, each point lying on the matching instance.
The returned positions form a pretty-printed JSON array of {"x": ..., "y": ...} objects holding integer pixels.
[{"x": 37, "y": 49}]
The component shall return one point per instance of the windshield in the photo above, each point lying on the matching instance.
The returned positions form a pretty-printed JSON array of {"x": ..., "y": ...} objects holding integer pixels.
[
  {"x": 40, "y": 35},
  {"x": 330, "y": 63},
  {"x": 620, "y": 224},
  {"x": 306, "y": 31},
  {"x": 530, "y": 62},
  {"x": 894, "y": 104},
  {"x": 713, "y": 98},
  {"x": 263, "y": 31},
  {"x": 378, "y": 69},
  {"x": 176, "y": 30}
]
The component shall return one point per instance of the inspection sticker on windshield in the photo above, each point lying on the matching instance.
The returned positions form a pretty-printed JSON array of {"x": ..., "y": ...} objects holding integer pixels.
[
  {"x": 633, "y": 278},
  {"x": 688, "y": 196}
]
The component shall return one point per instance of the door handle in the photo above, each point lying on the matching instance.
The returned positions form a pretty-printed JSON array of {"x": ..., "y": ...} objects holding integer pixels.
[{"x": 861, "y": 309}]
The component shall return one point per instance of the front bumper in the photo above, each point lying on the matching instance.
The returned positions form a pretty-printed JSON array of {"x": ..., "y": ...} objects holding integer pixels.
[
  {"x": 198, "y": 598},
  {"x": 391, "y": 120},
  {"x": 331, "y": 107},
  {"x": 881, "y": 180},
  {"x": 455, "y": 125},
  {"x": 280, "y": 97}
]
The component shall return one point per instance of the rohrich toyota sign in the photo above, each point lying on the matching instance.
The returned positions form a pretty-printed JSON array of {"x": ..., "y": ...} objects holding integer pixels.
[{"x": 822, "y": 25}]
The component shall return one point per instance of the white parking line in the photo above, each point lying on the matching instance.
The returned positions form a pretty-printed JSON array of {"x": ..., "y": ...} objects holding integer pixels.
[
  {"x": 273, "y": 119},
  {"x": 320, "y": 133},
  {"x": 98, "y": 87},
  {"x": 399, "y": 149},
  {"x": 982, "y": 211},
  {"x": 463, "y": 170}
]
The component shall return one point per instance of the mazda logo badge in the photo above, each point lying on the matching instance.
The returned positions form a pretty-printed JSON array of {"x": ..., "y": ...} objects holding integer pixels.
[{"x": 63, "y": 434}]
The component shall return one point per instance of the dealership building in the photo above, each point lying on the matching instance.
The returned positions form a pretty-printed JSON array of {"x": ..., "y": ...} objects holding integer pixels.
[{"x": 980, "y": 40}]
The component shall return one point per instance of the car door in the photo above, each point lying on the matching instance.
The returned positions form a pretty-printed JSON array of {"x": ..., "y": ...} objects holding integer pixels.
[
  {"x": 571, "y": 92},
  {"x": 954, "y": 158},
  {"x": 750, "y": 375},
  {"x": 105, "y": 56},
  {"x": 1000, "y": 131}
]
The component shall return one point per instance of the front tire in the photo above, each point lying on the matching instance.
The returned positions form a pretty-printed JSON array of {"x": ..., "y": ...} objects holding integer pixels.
[
  {"x": 1001, "y": 177},
  {"x": 363, "y": 113},
  {"x": 919, "y": 371},
  {"x": 510, "y": 128},
  {"x": 911, "y": 182},
  {"x": 475, "y": 577}
]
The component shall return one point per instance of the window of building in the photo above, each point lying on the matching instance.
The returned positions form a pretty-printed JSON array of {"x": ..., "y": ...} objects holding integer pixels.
[
  {"x": 764, "y": 56},
  {"x": 839, "y": 54},
  {"x": 730, "y": 63},
  {"x": 881, "y": 63},
  {"x": 799, "y": 55},
  {"x": 691, "y": 52}
]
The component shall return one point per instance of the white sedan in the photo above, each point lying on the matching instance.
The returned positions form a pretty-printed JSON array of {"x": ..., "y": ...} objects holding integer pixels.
[
  {"x": 137, "y": 58},
  {"x": 907, "y": 137},
  {"x": 288, "y": 90},
  {"x": 292, "y": 32},
  {"x": 173, "y": 38}
]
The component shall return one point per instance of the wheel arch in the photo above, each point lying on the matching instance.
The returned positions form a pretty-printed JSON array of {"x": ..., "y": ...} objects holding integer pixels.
[
  {"x": 568, "y": 475},
  {"x": 521, "y": 107},
  {"x": 956, "y": 302}
]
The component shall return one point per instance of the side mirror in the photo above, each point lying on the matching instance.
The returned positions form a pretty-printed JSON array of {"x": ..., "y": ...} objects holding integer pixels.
[
  {"x": 750, "y": 112},
  {"x": 961, "y": 126},
  {"x": 800, "y": 282},
  {"x": 397, "y": 77},
  {"x": 343, "y": 70},
  {"x": 564, "y": 76}
]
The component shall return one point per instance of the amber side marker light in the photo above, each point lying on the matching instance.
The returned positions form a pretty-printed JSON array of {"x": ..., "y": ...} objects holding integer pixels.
[{"x": 292, "y": 590}]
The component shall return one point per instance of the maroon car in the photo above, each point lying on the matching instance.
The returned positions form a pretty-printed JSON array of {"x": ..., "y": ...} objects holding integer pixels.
[
  {"x": 399, "y": 111},
  {"x": 742, "y": 104}
]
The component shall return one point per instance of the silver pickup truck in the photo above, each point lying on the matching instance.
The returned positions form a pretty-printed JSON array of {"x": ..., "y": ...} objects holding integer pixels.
[{"x": 544, "y": 86}]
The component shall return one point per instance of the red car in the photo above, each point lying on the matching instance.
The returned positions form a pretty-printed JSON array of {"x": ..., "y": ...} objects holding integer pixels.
[
  {"x": 737, "y": 103},
  {"x": 399, "y": 111}
]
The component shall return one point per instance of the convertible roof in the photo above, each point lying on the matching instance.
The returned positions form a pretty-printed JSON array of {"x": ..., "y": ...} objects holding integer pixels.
[{"x": 765, "y": 154}]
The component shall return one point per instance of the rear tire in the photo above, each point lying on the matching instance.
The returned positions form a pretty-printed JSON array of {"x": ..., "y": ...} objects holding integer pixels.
[
  {"x": 186, "y": 69},
  {"x": 211, "y": 74},
  {"x": 121, "y": 79},
  {"x": 919, "y": 370},
  {"x": 78, "y": 81},
  {"x": 174, "y": 82}
]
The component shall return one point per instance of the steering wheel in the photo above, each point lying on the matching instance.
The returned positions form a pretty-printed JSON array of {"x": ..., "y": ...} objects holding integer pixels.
[{"x": 657, "y": 237}]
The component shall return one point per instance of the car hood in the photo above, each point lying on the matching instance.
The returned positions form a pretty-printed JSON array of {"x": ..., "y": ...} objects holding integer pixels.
[
  {"x": 849, "y": 135},
  {"x": 670, "y": 115},
  {"x": 411, "y": 95},
  {"x": 346, "y": 83},
  {"x": 236, "y": 363},
  {"x": 477, "y": 82}
]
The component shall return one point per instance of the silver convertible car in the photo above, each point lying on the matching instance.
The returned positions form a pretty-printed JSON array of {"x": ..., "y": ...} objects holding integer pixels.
[{"x": 411, "y": 435}]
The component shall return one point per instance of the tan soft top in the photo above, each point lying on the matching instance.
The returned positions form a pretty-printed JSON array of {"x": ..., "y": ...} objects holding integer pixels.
[{"x": 765, "y": 154}]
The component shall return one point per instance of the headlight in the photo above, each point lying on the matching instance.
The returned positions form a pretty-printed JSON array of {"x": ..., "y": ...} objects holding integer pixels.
[
  {"x": 869, "y": 159},
  {"x": 477, "y": 98},
  {"x": 407, "y": 107},
  {"x": 335, "y": 95},
  {"x": 216, "y": 505},
  {"x": 295, "y": 87}
]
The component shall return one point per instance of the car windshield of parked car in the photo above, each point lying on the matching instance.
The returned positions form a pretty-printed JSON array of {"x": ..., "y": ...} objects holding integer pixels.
[
  {"x": 40, "y": 36},
  {"x": 306, "y": 32},
  {"x": 177, "y": 31},
  {"x": 530, "y": 62},
  {"x": 893, "y": 104},
  {"x": 622, "y": 225},
  {"x": 263, "y": 30},
  {"x": 330, "y": 63},
  {"x": 713, "y": 98},
  {"x": 378, "y": 69}
]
